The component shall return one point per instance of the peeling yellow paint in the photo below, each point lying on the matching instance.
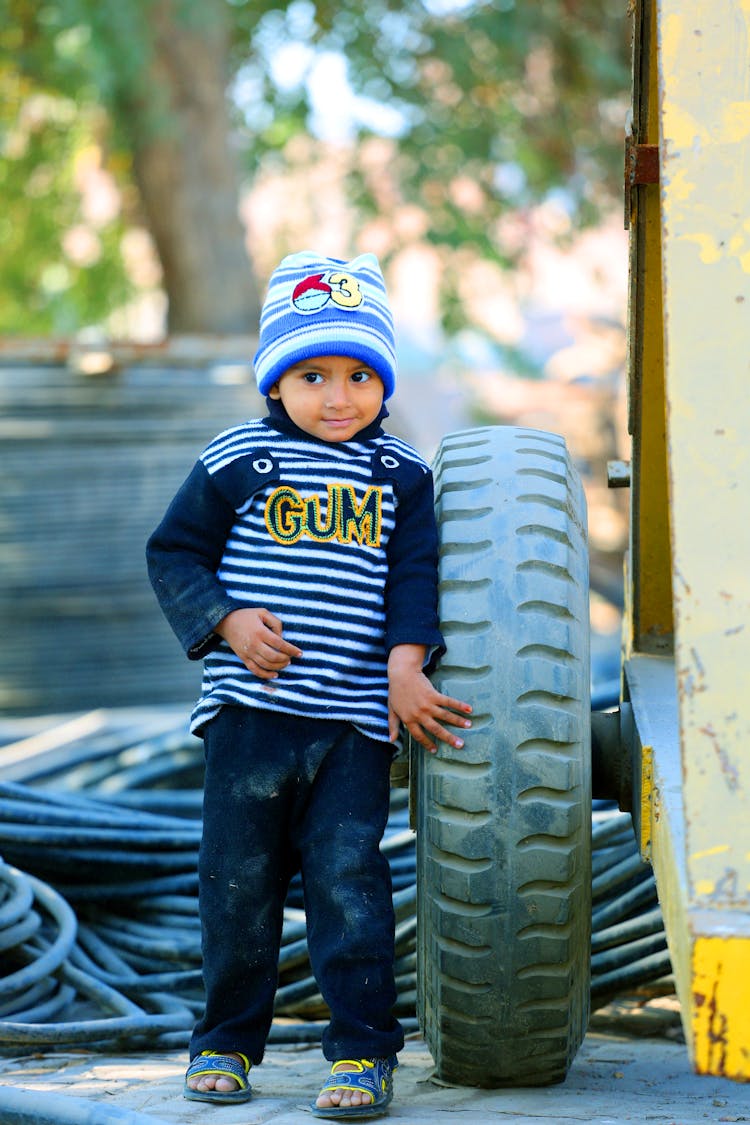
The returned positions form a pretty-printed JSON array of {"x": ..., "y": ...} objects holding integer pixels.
[
  {"x": 682, "y": 129},
  {"x": 711, "y": 851},
  {"x": 735, "y": 123},
  {"x": 671, "y": 34},
  {"x": 736, "y": 246},
  {"x": 647, "y": 800},
  {"x": 703, "y": 133},
  {"x": 720, "y": 1015},
  {"x": 710, "y": 251},
  {"x": 680, "y": 188}
]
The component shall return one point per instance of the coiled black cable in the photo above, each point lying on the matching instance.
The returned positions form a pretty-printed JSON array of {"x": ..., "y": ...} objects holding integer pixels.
[{"x": 99, "y": 926}]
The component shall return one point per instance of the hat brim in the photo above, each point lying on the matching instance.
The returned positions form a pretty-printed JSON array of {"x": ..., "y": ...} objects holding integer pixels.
[{"x": 356, "y": 349}]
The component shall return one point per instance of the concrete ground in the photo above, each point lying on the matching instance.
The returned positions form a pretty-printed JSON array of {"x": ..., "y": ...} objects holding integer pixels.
[{"x": 632, "y": 1066}]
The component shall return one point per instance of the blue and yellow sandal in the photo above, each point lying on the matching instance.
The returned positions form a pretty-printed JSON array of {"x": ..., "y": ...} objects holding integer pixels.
[
  {"x": 223, "y": 1066},
  {"x": 373, "y": 1077}
]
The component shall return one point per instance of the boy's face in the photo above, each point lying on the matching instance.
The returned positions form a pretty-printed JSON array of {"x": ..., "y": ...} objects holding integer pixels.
[{"x": 332, "y": 397}]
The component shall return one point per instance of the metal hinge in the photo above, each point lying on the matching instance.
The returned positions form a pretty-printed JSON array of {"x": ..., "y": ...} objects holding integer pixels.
[{"x": 641, "y": 167}]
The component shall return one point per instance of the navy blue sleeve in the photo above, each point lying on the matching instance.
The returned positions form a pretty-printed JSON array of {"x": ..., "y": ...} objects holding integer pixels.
[
  {"x": 412, "y": 587},
  {"x": 183, "y": 555}
]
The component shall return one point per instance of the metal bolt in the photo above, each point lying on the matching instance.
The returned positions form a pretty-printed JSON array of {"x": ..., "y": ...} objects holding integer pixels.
[{"x": 618, "y": 474}]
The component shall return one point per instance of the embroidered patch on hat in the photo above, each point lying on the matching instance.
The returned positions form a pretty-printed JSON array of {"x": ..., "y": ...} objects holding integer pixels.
[{"x": 313, "y": 293}]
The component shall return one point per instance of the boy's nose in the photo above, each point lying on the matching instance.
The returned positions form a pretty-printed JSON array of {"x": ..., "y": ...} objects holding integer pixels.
[{"x": 337, "y": 395}]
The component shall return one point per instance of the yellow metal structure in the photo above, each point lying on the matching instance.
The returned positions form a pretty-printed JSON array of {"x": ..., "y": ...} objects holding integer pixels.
[{"x": 687, "y": 636}]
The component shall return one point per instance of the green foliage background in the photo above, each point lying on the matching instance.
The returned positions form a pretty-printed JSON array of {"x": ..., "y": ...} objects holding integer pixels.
[{"x": 479, "y": 87}]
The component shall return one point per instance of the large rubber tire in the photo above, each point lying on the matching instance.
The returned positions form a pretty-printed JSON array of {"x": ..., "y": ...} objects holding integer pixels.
[{"x": 504, "y": 825}]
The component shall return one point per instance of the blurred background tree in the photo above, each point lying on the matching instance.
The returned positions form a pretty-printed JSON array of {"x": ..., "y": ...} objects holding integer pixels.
[{"x": 464, "y": 112}]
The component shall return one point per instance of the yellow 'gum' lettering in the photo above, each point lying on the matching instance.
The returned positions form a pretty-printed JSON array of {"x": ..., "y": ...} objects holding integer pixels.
[
  {"x": 361, "y": 522},
  {"x": 314, "y": 526},
  {"x": 289, "y": 516},
  {"x": 284, "y": 515}
]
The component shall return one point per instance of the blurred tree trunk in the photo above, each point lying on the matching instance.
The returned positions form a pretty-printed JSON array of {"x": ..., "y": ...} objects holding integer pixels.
[{"x": 177, "y": 121}]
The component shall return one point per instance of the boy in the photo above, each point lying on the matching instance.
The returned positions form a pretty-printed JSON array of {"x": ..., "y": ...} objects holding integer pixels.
[{"x": 299, "y": 560}]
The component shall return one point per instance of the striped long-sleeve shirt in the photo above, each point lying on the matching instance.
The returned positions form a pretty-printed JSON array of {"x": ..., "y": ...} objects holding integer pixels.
[{"x": 338, "y": 540}]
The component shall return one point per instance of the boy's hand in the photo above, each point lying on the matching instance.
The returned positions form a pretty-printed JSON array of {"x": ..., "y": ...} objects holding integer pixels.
[
  {"x": 417, "y": 704},
  {"x": 255, "y": 636}
]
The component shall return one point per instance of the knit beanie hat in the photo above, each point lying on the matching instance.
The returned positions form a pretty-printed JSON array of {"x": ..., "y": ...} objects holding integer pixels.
[{"x": 319, "y": 306}]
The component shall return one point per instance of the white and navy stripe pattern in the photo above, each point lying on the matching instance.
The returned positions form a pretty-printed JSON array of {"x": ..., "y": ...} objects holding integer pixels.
[
  {"x": 327, "y": 588},
  {"x": 317, "y": 306}
]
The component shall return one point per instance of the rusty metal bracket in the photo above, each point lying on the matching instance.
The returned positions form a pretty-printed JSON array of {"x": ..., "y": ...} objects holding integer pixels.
[{"x": 641, "y": 167}]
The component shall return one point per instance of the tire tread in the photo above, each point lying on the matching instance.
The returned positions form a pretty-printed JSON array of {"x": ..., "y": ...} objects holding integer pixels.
[{"x": 520, "y": 918}]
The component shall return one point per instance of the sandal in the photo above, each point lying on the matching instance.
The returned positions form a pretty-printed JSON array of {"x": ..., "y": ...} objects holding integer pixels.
[
  {"x": 373, "y": 1077},
  {"x": 224, "y": 1066}
]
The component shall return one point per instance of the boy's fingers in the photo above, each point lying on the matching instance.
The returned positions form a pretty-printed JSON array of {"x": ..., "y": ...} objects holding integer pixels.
[
  {"x": 445, "y": 736},
  {"x": 279, "y": 645},
  {"x": 272, "y": 622},
  {"x": 427, "y": 738},
  {"x": 419, "y": 736},
  {"x": 456, "y": 704},
  {"x": 279, "y": 652},
  {"x": 262, "y": 673},
  {"x": 445, "y": 716},
  {"x": 270, "y": 663},
  {"x": 271, "y": 659}
]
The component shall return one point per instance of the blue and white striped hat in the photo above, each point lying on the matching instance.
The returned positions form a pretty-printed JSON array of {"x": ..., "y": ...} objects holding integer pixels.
[{"x": 319, "y": 306}]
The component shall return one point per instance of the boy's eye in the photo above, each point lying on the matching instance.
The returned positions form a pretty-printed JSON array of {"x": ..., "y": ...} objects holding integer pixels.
[
  {"x": 312, "y": 377},
  {"x": 360, "y": 376}
]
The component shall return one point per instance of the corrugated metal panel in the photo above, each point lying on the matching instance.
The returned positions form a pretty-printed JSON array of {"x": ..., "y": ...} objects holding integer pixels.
[{"x": 88, "y": 466}]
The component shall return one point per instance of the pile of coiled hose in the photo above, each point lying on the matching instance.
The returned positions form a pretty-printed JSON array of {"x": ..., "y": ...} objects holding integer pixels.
[{"x": 99, "y": 928}]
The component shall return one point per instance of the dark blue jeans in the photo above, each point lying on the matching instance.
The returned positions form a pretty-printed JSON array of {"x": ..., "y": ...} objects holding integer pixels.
[{"x": 284, "y": 794}]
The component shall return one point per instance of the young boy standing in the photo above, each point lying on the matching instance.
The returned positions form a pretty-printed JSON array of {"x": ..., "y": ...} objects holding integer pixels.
[{"x": 299, "y": 561}]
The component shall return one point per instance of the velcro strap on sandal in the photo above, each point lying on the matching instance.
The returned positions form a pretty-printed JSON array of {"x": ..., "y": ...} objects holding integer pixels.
[
  {"x": 213, "y": 1062},
  {"x": 369, "y": 1076}
]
